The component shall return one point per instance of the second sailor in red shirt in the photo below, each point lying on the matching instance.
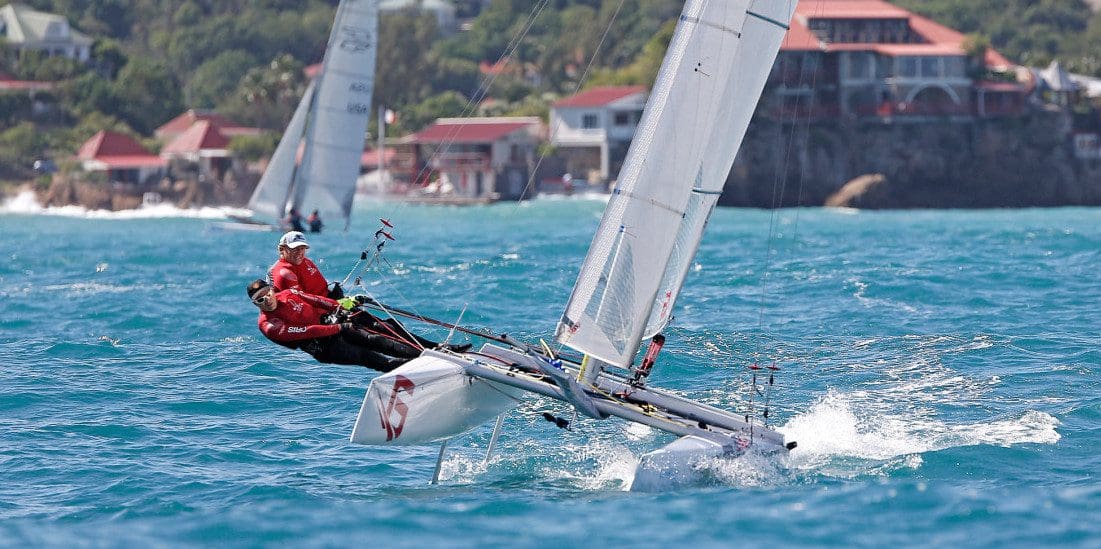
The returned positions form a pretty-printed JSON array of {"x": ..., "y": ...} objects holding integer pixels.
[{"x": 294, "y": 270}]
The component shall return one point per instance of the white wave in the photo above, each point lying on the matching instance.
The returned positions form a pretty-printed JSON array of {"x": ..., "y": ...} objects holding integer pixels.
[
  {"x": 596, "y": 465},
  {"x": 749, "y": 470},
  {"x": 26, "y": 203},
  {"x": 831, "y": 429},
  {"x": 461, "y": 468}
]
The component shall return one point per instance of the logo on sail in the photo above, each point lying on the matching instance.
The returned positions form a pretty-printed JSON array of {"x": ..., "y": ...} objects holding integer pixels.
[
  {"x": 359, "y": 108},
  {"x": 354, "y": 39}
]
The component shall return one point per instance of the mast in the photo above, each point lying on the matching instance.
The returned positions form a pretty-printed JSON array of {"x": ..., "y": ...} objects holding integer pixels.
[{"x": 697, "y": 114}]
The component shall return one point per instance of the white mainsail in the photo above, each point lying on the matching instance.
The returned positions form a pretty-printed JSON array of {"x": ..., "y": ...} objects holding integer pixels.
[
  {"x": 697, "y": 114},
  {"x": 333, "y": 126}
]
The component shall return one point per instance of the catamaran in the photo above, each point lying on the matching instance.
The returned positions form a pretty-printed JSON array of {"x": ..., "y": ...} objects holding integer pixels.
[
  {"x": 317, "y": 161},
  {"x": 697, "y": 114}
]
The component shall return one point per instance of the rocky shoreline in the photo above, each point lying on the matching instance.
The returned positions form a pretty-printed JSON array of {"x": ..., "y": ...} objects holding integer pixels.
[
  {"x": 976, "y": 163},
  {"x": 93, "y": 195}
]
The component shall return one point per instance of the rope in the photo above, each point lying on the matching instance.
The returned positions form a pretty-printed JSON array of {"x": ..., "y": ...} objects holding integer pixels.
[{"x": 779, "y": 188}]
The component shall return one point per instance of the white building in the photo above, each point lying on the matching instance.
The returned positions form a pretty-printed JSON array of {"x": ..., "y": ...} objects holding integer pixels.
[
  {"x": 593, "y": 129},
  {"x": 477, "y": 157},
  {"x": 25, "y": 29}
]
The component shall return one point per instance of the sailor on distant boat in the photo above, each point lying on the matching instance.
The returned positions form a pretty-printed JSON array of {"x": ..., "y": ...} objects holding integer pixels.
[
  {"x": 294, "y": 270},
  {"x": 299, "y": 321},
  {"x": 314, "y": 221},
  {"x": 294, "y": 221}
]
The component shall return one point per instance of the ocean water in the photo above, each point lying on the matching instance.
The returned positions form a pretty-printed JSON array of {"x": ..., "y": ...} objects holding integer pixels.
[{"x": 940, "y": 373}]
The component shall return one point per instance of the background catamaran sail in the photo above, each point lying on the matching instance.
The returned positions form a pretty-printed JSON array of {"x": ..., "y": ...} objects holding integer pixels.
[
  {"x": 697, "y": 114},
  {"x": 329, "y": 125}
]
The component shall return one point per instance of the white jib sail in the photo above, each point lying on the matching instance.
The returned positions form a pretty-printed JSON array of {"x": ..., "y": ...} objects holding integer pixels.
[
  {"x": 337, "y": 128},
  {"x": 270, "y": 197},
  {"x": 672, "y": 174}
]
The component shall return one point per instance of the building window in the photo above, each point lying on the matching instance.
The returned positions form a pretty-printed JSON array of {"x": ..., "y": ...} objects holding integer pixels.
[
  {"x": 954, "y": 67},
  {"x": 622, "y": 118},
  {"x": 588, "y": 121},
  {"x": 907, "y": 67},
  {"x": 930, "y": 67},
  {"x": 858, "y": 65}
]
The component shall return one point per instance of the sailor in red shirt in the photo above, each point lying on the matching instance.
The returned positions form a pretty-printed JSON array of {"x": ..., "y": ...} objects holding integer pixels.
[
  {"x": 295, "y": 270},
  {"x": 294, "y": 319}
]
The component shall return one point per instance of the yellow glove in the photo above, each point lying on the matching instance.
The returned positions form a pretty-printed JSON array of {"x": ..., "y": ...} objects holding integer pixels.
[{"x": 347, "y": 303}]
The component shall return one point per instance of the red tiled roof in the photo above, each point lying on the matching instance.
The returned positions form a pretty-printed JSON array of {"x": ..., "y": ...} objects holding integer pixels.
[
  {"x": 469, "y": 130},
  {"x": 896, "y": 50},
  {"x": 132, "y": 161},
  {"x": 498, "y": 67},
  {"x": 181, "y": 123},
  {"x": 596, "y": 97},
  {"x": 107, "y": 143},
  {"x": 9, "y": 83},
  {"x": 202, "y": 135},
  {"x": 941, "y": 40}
]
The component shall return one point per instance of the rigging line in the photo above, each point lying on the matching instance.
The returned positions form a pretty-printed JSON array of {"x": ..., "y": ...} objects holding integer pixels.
[
  {"x": 799, "y": 102},
  {"x": 576, "y": 88},
  {"x": 483, "y": 89},
  {"x": 781, "y": 181}
]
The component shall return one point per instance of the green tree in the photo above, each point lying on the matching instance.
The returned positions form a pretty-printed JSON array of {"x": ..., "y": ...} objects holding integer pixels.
[
  {"x": 89, "y": 93},
  {"x": 149, "y": 94},
  {"x": 254, "y": 147},
  {"x": 216, "y": 79},
  {"x": 415, "y": 117},
  {"x": 644, "y": 69},
  {"x": 403, "y": 75},
  {"x": 108, "y": 57},
  {"x": 975, "y": 45},
  {"x": 14, "y": 107},
  {"x": 20, "y": 146},
  {"x": 266, "y": 96}
]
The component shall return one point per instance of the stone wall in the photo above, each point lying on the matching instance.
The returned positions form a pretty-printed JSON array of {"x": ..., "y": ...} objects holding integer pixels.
[{"x": 931, "y": 163}]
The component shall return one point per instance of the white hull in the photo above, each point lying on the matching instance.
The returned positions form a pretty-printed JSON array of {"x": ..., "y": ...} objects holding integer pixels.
[{"x": 429, "y": 398}]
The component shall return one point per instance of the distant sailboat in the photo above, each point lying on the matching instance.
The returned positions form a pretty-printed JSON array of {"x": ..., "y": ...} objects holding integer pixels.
[
  {"x": 317, "y": 161},
  {"x": 695, "y": 119}
]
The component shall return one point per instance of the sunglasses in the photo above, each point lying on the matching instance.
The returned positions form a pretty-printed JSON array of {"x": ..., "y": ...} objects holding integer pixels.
[{"x": 260, "y": 298}]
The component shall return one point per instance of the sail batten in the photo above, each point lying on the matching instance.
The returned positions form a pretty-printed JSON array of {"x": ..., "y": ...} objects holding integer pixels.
[{"x": 692, "y": 127}]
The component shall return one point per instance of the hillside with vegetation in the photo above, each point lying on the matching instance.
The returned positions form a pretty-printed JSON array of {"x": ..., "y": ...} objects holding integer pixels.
[{"x": 152, "y": 59}]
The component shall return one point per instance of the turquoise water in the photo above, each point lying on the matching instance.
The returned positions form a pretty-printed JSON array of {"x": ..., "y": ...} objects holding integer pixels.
[{"x": 940, "y": 374}]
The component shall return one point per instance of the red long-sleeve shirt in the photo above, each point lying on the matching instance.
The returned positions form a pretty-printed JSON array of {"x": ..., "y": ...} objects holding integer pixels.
[
  {"x": 305, "y": 276},
  {"x": 297, "y": 316}
]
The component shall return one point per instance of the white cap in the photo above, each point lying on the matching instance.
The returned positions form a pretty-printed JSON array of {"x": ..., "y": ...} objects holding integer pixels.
[{"x": 294, "y": 239}]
